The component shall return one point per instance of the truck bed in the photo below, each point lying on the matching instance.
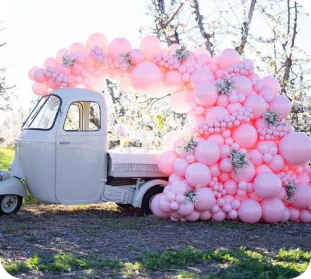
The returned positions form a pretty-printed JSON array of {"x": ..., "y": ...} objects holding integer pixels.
[{"x": 133, "y": 165}]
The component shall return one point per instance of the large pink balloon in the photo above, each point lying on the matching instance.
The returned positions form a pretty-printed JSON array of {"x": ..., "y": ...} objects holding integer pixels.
[
  {"x": 257, "y": 104},
  {"x": 305, "y": 216},
  {"x": 242, "y": 85},
  {"x": 201, "y": 75},
  {"x": 272, "y": 82},
  {"x": 178, "y": 101},
  {"x": 97, "y": 39},
  {"x": 166, "y": 160},
  {"x": 302, "y": 197},
  {"x": 267, "y": 185},
  {"x": 173, "y": 80},
  {"x": 250, "y": 211},
  {"x": 185, "y": 209},
  {"x": 180, "y": 165},
  {"x": 149, "y": 46},
  {"x": 215, "y": 112},
  {"x": 255, "y": 157},
  {"x": 40, "y": 89},
  {"x": 277, "y": 163},
  {"x": 119, "y": 46},
  {"x": 206, "y": 200},
  {"x": 207, "y": 152},
  {"x": 295, "y": 148},
  {"x": 32, "y": 71},
  {"x": 136, "y": 56},
  {"x": 245, "y": 135},
  {"x": 146, "y": 76},
  {"x": 198, "y": 174},
  {"x": 227, "y": 58},
  {"x": 205, "y": 94},
  {"x": 272, "y": 210},
  {"x": 155, "y": 207},
  {"x": 282, "y": 104},
  {"x": 39, "y": 75}
]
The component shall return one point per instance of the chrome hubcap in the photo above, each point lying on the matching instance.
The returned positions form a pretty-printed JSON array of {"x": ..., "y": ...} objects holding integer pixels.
[{"x": 9, "y": 203}]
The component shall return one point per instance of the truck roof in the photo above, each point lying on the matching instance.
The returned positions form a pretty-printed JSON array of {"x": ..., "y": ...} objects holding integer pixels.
[{"x": 79, "y": 94}]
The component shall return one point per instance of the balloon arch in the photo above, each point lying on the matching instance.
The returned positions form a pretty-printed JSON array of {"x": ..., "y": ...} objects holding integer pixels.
[{"x": 242, "y": 162}]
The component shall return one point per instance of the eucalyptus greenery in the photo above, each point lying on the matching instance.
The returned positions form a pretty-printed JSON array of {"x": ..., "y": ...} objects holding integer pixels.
[
  {"x": 225, "y": 87},
  {"x": 238, "y": 160},
  {"x": 127, "y": 59},
  {"x": 189, "y": 146},
  {"x": 272, "y": 117},
  {"x": 182, "y": 54},
  {"x": 67, "y": 61},
  {"x": 191, "y": 196},
  {"x": 291, "y": 189}
]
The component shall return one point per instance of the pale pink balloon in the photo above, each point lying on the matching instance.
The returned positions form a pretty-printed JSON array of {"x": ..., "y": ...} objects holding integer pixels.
[
  {"x": 246, "y": 175},
  {"x": 255, "y": 157},
  {"x": 174, "y": 177},
  {"x": 255, "y": 197},
  {"x": 213, "y": 66},
  {"x": 245, "y": 135},
  {"x": 207, "y": 152},
  {"x": 180, "y": 165},
  {"x": 206, "y": 200},
  {"x": 231, "y": 187},
  {"x": 205, "y": 94},
  {"x": 40, "y": 88},
  {"x": 75, "y": 47},
  {"x": 234, "y": 107},
  {"x": 166, "y": 160},
  {"x": 263, "y": 168},
  {"x": 170, "y": 138},
  {"x": 155, "y": 207},
  {"x": 193, "y": 216},
  {"x": 174, "y": 47},
  {"x": 100, "y": 40},
  {"x": 39, "y": 75},
  {"x": 303, "y": 178},
  {"x": 295, "y": 148},
  {"x": 293, "y": 214},
  {"x": 59, "y": 55},
  {"x": 150, "y": 45},
  {"x": 77, "y": 69},
  {"x": 173, "y": 81},
  {"x": 215, "y": 171},
  {"x": 267, "y": 185},
  {"x": 215, "y": 112},
  {"x": 179, "y": 188},
  {"x": 119, "y": 46},
  {"x": 198, "y": 174},
  {"x": 272, "y": 210},
  {"x": 225, "y": 165},
  {"x": 250, "y": 211},
  {"x": 217, "y": 138},
  {"x": 201, "y": 75},
  {"x": 305, "y": 216},
  {"x": 227, "y": 58},
  {"x": 242, "y": 85},
  {"x": 178, "y": 101},
  {"x": 52, "y": 84},
  {"x": 170, "y": 196},
  {"x": 50, "y": 62},
  {"x": 257, "y": 104},
  {"x": 205, "y": 215},
  {"x": 203, "y": 58},
  {"x": 286, "y": 215},
  {"x": 282, "y": 104},
  {"x": 277, "y": 163},
  {"x": 302, "y": 196},
  {"x": 32, "y": 71},
  {"x": 219, "y": 216},
  {"x": 136, "y": 56},
  {"x": 146, "y": 76},
  {"x": 201, "y": 50},
  {"x": 223, "y": 101},
  {"x": 273, "y": 83},
  {"x": 164, "y": 204},
  {"x": 185, "y": 209}
]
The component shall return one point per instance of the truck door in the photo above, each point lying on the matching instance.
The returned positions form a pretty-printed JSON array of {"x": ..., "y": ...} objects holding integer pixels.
[{"x": 79, "y": 154}]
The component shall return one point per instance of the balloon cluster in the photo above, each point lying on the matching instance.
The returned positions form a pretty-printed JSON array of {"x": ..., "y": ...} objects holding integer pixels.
[{"x": 241, "y": 162}]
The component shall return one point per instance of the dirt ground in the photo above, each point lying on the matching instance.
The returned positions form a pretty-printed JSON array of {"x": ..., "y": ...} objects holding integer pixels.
[{"x": 108, "y": 232}]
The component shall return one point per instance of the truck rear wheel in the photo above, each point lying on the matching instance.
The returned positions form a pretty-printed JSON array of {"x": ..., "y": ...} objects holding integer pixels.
[
  {"x": 147, "y": 199},
  {"x": 10, "y": 204}
]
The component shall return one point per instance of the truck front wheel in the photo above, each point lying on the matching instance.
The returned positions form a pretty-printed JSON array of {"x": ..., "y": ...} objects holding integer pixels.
[
  {"x": 147, "y": 199},
  {"x": 10, "y": 204}
]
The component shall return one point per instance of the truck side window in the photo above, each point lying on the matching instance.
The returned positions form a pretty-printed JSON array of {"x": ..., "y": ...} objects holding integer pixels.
[{"x": 83, "y": 116}]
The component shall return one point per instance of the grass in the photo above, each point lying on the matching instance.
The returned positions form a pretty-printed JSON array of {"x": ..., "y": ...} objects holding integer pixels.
[
  {"x": 6, "y": 158},
  {"x": 239, "y": 263}
]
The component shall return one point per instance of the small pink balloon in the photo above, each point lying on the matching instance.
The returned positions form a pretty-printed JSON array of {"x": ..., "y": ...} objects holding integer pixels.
[
  {"x": 200, "y": 75},
  {"x": 293, "y": 214},
  {"x": 155, "y": 207},
  {"x": 277, "y": 163},
  {"x": 166, "y": 161},
  {"x": 50, "y": 62},
  {"x": 272, "y": 210},
  {"x": 174, "y": 205},
  {"x": 179, "y": 188},
  {"x": 100, "y": 40},
  {"x": 227, "y": 58},
  {"x": 201, "y": 50},
  {"x": 164, "y": 204},
  {"x": 205, "y": 94},
  {"x": 245, "y": 135},
  {"x": 193, "y": 216},
  {"x": 225, "y": 165},
  {"x": 75, "y": 47},
  {"x": 231, "y": 187},
  {"x": 281, "y": 104},
  {"x": 273, "y": 83},
  {"x": 207, "y": 152},
  {"x": 174, "y": 177},
  {"x": 198, "y": 174},
  {"x": 255, "y": 157},
  {"x": 185, "y": 209},
  {"x": 40, "y": 89},
  {"x": 242, "y": 85},
  {"x": 31, "y": 72},
  {"x": 206, "y": 200},
  {"x": 217, "y": 138},
  {"x": 257, "y": 104},
  {"x": 286, "y": 215},
  {"x": 39, "y": 75},
  {"x": 267, "y": 185},
  {"x": 136, "y": 56},
  {"x": 219, "y": 216},
  {"x": 150, "y": 45},
  {"x": 302, "y": 196},
  {"x": 250, "y": 211},
  {"x": 169, "y": 139},
  {"x": 215, "y": 112},
  {"x": 180, "y": 165},
  {"x": 119, "y": 46},
  {"x": 205, "y": 215},
  {"x": 305, "y": 216}
]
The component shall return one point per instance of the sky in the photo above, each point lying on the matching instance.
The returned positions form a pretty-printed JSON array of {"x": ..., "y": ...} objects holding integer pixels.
[{"x": 37, "y": 29}]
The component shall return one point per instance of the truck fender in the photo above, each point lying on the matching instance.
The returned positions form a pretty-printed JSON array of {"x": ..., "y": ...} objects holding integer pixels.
[
  {"x": 12, "y": 186},
  {"x": 141, "y": 191}
]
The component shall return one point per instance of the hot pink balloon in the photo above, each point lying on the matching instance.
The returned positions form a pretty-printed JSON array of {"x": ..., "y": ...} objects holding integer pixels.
[
  {"x": 207, "y": 152},
  {"x": 267, "y": 185},
  {"x": 173, "y": 80},
  {"x": 166, "y": 160},
  {"x": 302, "y": 196},
  {"x": 178, "y": 101},
  {"x": 205, "y": 94},
  {"x": 40, "y": 89},
  {"x": 257, "y": 104},
  {"x": 227, "y": 58},
  {"x": 273, "y": 83},
  {"x": 250, "y": 211},
  {"x": 242, "y": 85},
  {"x": 206, "y": 200},
  {"x": 295, "y": 148},
  {"x": 149, "y": 46},
  {"x": 146, "y": 76},
  {"x": 245, "y": 135},
  {"x": 100, "y": 40},
  {"x": 198, "y": 174},
  {"x": 201, "y": 75},
  {"x": 272, "y": 210},
  {"x": 119, "y": 46},
  {"x": 282, "y": 104}
]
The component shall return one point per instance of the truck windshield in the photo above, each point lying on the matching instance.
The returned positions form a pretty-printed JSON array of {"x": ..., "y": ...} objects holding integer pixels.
[{"x": 44, "y": 114}]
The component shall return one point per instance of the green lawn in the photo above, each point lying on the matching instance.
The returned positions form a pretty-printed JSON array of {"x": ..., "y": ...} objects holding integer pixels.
[{"x": 6, "y": 158}]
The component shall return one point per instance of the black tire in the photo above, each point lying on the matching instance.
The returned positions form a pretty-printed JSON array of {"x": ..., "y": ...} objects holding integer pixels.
[
  {"x": 10, "y": 204},
  {"x": 149, "y": 195},
  {"x": 124, "y": 205}
]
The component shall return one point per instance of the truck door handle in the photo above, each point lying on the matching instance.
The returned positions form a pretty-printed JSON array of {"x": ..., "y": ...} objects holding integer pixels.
[{"x": 64, "y": 142}]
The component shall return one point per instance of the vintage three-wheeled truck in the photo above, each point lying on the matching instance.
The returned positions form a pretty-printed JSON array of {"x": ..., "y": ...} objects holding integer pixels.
[{"x": 61, "y": 157}]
